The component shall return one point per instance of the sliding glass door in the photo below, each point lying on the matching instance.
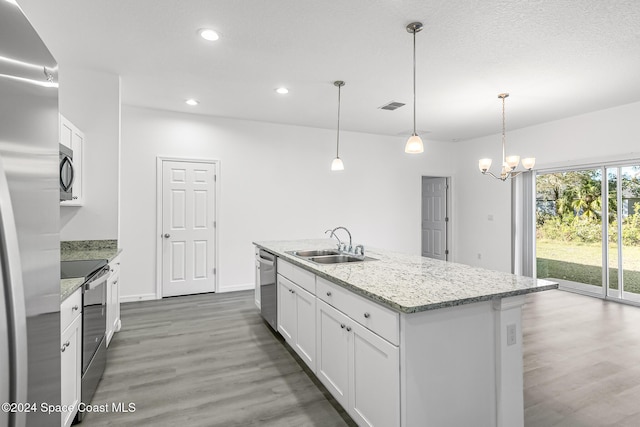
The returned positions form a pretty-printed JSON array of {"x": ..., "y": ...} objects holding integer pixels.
[
  {"x": 569, "y": 229},
  {"x": 588, "y": 230}
]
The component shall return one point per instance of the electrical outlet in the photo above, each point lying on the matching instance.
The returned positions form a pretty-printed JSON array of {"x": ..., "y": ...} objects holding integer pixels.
[{"x": 511, "y": 334}]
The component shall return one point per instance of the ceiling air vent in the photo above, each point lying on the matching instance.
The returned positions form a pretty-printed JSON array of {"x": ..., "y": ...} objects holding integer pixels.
[{"x": 391, "y": 106}]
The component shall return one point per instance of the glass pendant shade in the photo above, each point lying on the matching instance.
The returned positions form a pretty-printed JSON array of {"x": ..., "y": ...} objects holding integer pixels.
[
  {"x": 484, "y": 164},
  {"x": 529, "y": 163},
  {"x": 414, "y": 145},
  {"x": 512, "y": 161},
  {"x": 337, "y": 164}
]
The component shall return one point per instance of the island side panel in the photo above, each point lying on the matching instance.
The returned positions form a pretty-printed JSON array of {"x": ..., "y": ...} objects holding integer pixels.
[
  {"x": 448, "y": 367},
  {"x": 509, "y": 371}
]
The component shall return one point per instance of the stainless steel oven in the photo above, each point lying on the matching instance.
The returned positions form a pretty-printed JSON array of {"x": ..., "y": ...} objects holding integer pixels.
[
  {"x": 268, "y": 288},
  {"x": 67, "y": 173}
]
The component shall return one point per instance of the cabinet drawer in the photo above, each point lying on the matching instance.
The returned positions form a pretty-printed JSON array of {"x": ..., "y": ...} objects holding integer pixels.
[
  {"x": 70, "y": 309},
  {"x": 301, "y": 277},
  {"x": 378, "y": 319}
]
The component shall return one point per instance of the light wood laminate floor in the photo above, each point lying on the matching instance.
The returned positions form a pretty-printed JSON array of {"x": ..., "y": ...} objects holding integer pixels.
[
  {"x": 207, "y": 360},
  {"x": 210, "y": 360},
  {"x": 581, "y": 361}
]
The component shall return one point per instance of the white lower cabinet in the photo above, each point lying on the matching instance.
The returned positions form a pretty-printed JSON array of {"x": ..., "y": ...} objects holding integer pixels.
[
  {"x": 113, "y": 299},
  {"x": 359, "y": 368},
  {"x": 297, "y": 319},
  {"x": 333, "y": 352},
  {"x": 70, "y": 356}
]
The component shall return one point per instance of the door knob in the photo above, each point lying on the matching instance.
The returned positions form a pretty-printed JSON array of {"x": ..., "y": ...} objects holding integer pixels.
[{"x": 167, "y": 235}]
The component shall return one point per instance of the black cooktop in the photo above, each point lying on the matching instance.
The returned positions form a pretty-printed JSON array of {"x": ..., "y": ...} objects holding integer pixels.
[{"x": 81, "y": 268}]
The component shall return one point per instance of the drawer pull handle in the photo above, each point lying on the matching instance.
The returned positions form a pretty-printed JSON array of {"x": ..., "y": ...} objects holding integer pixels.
[
  {"x": 328, "y": 293},
  {"x": 367, "y": 315},
  {"x": 74, "y": 308},
  {"x": 64, "y": 346},
  {"x": 342, "y": 325},
  {"x": 348, "y": 328}
]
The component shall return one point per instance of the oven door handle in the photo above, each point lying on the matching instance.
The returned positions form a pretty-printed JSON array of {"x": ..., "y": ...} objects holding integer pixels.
[{"x": 99, "y": 279}]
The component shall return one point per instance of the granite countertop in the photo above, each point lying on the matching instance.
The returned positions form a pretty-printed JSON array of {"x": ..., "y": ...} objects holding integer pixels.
[
  {"x": 82, "y": 250},
  {"x": 410, "y": 283}
]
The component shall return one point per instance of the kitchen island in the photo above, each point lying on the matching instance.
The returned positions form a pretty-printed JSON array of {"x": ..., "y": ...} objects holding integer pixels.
[{"x": 404, "y": 340}]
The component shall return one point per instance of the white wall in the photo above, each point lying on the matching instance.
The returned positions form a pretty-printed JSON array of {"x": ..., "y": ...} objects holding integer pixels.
[
  {"x": 91, "y": 101},
  {"x": 275, "y": 183},
  {"x": 607, "y": 134}
]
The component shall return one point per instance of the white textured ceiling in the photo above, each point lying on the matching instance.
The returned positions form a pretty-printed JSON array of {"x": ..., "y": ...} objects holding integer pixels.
[{"x": 557, "y": 58}]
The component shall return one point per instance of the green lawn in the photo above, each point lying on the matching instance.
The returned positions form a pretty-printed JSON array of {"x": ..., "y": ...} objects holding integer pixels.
[{"x": 582, "y": 263}]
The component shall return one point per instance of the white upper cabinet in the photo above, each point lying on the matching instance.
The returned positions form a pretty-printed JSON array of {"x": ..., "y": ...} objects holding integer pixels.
[{"x": 72, "y": 137}]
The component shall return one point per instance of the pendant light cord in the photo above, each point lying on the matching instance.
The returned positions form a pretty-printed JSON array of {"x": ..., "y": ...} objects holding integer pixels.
[
  {"x": 504, "y": 137},
  {"x": 338, "y": 134},
  {"x": 414, "y": 81}
]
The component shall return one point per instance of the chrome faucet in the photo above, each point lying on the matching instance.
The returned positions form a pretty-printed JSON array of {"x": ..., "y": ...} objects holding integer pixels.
[
  {"x": 333, "y": 234},
  {"x": 342, "y": 246}
]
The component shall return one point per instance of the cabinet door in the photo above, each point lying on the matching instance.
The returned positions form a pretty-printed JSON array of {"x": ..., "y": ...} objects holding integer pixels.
[
  {"x": 305, "y": 338},
  {"x": 113, "y": 299},
  {"x": 332, "y": 365},
  {"x": 374, "y": 383},
  {"x": 286, "y": 310},
  {"x": 257, "y": 285},
  {"x": 70, "y": 368},
  {"x": 110, "y": 309}
]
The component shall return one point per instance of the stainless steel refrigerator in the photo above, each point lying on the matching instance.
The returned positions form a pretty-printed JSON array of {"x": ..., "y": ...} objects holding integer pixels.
[{"x": 29, "y": 224}]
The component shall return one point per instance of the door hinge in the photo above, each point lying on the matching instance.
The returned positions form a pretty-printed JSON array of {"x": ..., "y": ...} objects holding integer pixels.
[
  {"x": 214, "y": 271},
  {"x": 215, "y": 178},
  {"x": 215, "y": 224},
  {"x": 446, "y": 219},
  {"x": 446, "y": 251}
]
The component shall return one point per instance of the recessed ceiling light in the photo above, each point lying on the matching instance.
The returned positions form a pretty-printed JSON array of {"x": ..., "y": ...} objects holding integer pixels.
[
  {"x": 192, "y": 102},
  {"x": 208, "y": 34},
  {"x": 282, "y": 90}
]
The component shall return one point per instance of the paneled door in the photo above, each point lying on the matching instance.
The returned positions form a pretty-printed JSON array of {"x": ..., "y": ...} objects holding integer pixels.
[
  {"x": 434, "y": 218},
  {"x": 188, "y": 227}
]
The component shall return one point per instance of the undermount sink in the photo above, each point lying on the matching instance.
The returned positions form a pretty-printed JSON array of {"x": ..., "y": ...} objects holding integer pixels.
[
  {"x": 328, "y": 256},
  {"x": 312, "y": 253},
  {"x": 336, "y": 259}
]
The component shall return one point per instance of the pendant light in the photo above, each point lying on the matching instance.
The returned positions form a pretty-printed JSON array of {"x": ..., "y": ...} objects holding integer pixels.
[
  {"x": 414, "y": 143},
  {"x": 337, "y": 164},
  {"x": 509, "y": 163}
]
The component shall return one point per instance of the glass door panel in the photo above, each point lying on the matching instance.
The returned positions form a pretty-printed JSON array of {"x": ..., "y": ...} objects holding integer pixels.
[
  {"x": 629, "y": 211},
  {"x": 613, "y": 232},
  {"x": 569, "y": 229}
]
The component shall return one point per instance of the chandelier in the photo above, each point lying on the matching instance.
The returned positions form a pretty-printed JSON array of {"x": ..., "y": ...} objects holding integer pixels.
[{"x": 509, "y": 163}]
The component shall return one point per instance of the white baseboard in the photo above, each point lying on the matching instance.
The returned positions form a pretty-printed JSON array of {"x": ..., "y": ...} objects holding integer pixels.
[
  {"x": 135, "y": 298},
  {"x": 234, "y": 288}
]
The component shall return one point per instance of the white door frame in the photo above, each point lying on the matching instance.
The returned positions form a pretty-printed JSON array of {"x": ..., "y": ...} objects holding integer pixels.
[{"x": 159, "y": 231}]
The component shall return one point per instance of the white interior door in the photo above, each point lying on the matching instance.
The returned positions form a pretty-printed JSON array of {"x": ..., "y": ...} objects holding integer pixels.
[
  {"x": 188, "y": 227},
  {"x": 434, "y": 218}
]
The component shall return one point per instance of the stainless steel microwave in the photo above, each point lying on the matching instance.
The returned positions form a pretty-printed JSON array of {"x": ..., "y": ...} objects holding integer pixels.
[{"x": 67, "y": 173}]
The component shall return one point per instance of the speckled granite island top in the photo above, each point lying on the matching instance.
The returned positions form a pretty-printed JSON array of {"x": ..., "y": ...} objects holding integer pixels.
[
  {"x": 410, "y": 283},
  {"x": 81, "y": 250}
]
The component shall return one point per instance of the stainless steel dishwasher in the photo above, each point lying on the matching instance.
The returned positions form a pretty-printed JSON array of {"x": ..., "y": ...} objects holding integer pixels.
[{"x": 268, "y": 288}]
